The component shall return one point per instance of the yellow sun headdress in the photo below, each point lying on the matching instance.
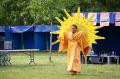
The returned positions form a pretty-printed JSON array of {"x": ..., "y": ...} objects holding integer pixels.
[{"x": 84, "y": 24}]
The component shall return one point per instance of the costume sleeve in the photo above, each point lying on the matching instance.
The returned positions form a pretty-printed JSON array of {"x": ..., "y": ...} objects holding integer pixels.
[
  {"x": 84, "y": 44},
  {"x": 63, "y": 42}
]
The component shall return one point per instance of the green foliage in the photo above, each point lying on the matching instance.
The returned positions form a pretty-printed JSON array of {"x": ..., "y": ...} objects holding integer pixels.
[
  {"x": 31, "y": 12},
  {"x": 14, "y": 12},
  {"x": 44, "y": 10}
]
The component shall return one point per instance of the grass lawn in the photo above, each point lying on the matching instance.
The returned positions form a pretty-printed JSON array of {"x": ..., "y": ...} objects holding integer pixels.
[{"x": 56, "y": 70}]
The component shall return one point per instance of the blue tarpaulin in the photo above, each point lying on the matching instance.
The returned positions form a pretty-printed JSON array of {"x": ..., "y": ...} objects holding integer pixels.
[
  {"x": 21, "y": 29},
  {"x": 98, "y": 17},
  {"x": 16, "y": 40},
  {"x": 112, "y": 17},
  {"x": 28, "y": 40},
  {"x": 33, "y": 37},
  {"x": 2, "y": 29},
  {"x": 23, "y": 37},
  {"x": 41, "y": 40},
  {"x": 7, "y": 34},
  {"x": 45, "y": 28},
  {"x": 37, "y": 28},
  {"x": 42, "y": 28},
  {"x": 23, "y": 40}
]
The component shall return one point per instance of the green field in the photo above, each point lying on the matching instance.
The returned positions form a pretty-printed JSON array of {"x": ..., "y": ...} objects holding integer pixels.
[{"x": 56, "y": 70}]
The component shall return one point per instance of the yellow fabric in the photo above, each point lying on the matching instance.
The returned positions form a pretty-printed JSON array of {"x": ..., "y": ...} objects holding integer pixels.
[{"x": 74, "y": 44}]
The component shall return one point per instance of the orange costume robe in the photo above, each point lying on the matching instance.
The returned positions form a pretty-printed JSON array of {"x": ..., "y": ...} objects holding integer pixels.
[{"x": 74, "y": 44}]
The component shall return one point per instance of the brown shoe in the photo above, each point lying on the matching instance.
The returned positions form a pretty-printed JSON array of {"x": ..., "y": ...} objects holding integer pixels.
[{"x": 72, "y": 72}]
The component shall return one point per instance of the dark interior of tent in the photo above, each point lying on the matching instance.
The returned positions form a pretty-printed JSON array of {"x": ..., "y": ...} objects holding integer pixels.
[
  {"x": 30, "y": 40},
  {"x": 23, "y": 40},
  {"x": 111, "y": 41},
  {"x": 2, "y": 38}
]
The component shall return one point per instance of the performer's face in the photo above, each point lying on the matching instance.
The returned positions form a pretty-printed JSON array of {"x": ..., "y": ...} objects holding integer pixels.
[{"x": 73, "y": 29}]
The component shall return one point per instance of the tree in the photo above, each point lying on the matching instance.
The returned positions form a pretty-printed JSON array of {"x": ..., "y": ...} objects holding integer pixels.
[
  {"x": 14, "y": 12},
  {"x": 42, "y": 10},
  {"x": 30, "y": 12}
]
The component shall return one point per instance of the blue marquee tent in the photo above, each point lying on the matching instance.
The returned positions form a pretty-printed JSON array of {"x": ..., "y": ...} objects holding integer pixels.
[
  {"x": 2, "y": 29},
  {"x": 42, "y": 37},
  {"x": 2, "y": 36},
  {"x": 28, "y": 37},
  {"x": 22, "y": 37}
]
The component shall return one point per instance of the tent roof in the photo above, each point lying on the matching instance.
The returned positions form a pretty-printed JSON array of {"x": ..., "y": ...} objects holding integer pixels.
[
  {"x": 37, "y": 28},
  {"x": 45, "y": 28},
  {"x": 21, "y": 29},
  {"x": 2, "y": 29}
]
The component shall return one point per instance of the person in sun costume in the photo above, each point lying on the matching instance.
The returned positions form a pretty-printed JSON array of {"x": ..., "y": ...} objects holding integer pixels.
[{"x": 76, "y": 34}]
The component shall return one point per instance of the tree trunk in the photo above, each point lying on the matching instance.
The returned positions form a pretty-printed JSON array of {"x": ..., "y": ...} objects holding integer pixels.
[{"x": 50, "y": 52}]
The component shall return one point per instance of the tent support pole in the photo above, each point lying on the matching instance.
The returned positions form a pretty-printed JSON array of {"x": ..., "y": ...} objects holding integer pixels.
[{"x": 22, "y": 41}]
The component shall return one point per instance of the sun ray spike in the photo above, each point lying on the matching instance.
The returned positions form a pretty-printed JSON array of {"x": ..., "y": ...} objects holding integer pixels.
[
  {"x": 64, "y": 18},
  {"x": 90, "y": 18},
  {"x": 78, "y": 11},
  {"x": 99, "y": 37},
  {"x": 68, "y": 15},
  {"x": 55, "y": 32},
  {"x": 57, "y": 41},
  {"x": 100, "y": 27},
  {"x": 59, "y": 20}
]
